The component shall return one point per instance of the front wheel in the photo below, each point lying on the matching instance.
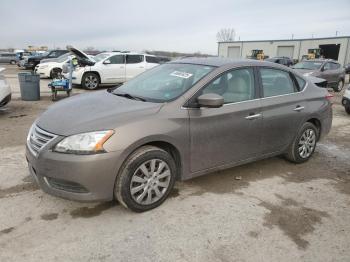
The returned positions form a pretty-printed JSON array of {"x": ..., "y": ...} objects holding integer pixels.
[
  {"x": 339, "y": 86},
  {"x": 303, "y": 145},
  {"x": 90, "y": 81},
  {"x": 146, "y": 179}
]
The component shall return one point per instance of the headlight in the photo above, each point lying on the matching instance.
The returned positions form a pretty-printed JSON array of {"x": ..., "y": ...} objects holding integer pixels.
[{"x": 85, "y": 143}]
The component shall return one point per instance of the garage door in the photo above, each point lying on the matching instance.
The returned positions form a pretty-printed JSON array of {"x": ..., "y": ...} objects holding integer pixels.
[
  {"x": 285, "y": 51},
  {"x": 234, "y": 52}
]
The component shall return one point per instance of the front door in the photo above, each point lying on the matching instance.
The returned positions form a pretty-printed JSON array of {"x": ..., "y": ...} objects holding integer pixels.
[
  {"x": 232, "y": 132},
  {"x": 113, "y": 70}
]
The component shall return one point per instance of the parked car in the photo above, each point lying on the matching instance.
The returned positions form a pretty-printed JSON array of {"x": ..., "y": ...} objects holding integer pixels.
[
  {"x": 51, "y": 68},
  {"x": 179, "y": 120},
  {"x": 347, "y": 69},
  {"x": 111, "y": 68},
  {"x": 327, "y": 69},
  {"x": 32, "y": 61},
  {"x": 9, "y": 58},
  {"x": 5, "y": 90},
  {"x": 283, "y": 60},
  {"x": 346, "y": 100}
]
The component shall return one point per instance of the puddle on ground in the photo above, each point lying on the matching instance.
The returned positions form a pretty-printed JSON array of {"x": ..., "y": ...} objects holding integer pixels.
[
  {"x": 6, "y": 231},
  {"x": 87, "y": 212},
  {"x": 49, "y": 216},
  {"x": 293, "y": 219},
  {"x": 25, "y": 187}
]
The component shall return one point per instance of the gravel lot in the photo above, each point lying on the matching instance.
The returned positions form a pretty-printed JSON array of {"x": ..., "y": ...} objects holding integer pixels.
[{"x": 270, "y": 210}]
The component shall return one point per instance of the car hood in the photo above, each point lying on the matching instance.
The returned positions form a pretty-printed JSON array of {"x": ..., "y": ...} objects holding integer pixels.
[
  {"x": 80, "y": 55},
  {"x": 303, "y": 71},
  {"x": 92, "y": 112}
]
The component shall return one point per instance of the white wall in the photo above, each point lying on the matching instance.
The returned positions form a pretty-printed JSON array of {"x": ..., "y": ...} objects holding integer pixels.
[{"x": 300, "y": 47}]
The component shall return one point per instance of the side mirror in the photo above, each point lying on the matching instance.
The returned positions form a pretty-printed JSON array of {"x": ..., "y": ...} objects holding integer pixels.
[
  {"x": 210, "y": 100},
  {"x": 107, "y": 62}
]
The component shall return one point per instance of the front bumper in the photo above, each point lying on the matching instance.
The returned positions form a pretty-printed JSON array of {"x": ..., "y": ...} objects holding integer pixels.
[
  {"x": 6, "y": 100},
  {"x": 75, "y": 177}
]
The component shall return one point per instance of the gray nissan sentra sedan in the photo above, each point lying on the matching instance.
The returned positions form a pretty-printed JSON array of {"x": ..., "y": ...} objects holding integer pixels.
[{"x": 178, "y": 120}]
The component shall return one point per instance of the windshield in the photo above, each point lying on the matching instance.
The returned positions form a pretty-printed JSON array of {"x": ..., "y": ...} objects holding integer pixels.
[
  {"x": 310, "y": 65},
  {"x": 100, "y": 57},
  {"x": 165, "y": 82},
  {"x": 63, "y": 58}
]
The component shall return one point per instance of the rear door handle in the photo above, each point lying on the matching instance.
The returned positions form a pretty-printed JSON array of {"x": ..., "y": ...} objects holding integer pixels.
[
  {"x": 253, "y": 116},
  {"x": 299, "y": 108}
]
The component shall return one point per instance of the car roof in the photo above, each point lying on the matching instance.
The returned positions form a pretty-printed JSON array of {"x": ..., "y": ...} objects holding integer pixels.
[{"x": 220, "y": 61}]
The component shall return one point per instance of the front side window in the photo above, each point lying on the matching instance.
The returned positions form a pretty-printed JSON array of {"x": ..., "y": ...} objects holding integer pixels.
[
  {"x": 165, "y": 82},
  {"x": 134, "y": 59},
  {"x": 117, "y": 59},
  {"x": 234, "y": 86},
  {"x": 276, "y": 82},
  {"x": 335, "y": 66}
]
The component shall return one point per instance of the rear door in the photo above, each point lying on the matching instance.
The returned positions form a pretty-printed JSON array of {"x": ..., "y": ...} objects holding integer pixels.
[
  {"x": 113, "y": 70},
  {"x": 135, "y": 65},
  {"x": 231, "y": 133},
  {"x": 283, "y": 109}
]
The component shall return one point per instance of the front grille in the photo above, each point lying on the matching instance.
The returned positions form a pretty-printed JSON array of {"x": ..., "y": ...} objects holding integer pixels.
[{"x": 38, "y": 138}]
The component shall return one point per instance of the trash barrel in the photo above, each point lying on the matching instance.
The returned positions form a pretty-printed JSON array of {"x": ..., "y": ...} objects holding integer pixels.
[{"x": 29, "y": 84}]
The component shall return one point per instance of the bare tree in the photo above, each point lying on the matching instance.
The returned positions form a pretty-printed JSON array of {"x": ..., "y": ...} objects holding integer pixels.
[{"x": 226, "y": 34}]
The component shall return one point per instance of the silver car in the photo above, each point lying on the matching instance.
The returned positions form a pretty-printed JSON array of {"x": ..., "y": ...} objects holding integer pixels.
[
  {"x": 177, "y": 121},
  {"x": 9, "y": 58},
  {"x": 327, "y": 69}
]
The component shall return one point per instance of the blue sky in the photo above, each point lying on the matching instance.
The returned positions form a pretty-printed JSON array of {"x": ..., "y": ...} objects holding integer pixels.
[{"x": 182, "y": 25}]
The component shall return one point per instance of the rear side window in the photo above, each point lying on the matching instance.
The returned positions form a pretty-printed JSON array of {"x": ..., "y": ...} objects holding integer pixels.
[
  {"x": 117, "y": 59},
  {"x": 276, "y": 82},
  {"x": 234, "y": 86},
  {"x": 134, "y": 59},
  {"x": 301, "y": 82},
  {"x": 152, "y": 59}
]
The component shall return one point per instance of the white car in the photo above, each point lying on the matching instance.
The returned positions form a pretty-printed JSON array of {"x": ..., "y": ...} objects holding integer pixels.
[
  {"x": 5, "y": 90},
  {"x": 51, "y": 68},
  {"x": 111, "y": 68}
]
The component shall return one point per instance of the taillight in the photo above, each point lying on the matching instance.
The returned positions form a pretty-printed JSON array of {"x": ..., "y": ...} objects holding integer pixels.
[{"x": 329, "y": 97}]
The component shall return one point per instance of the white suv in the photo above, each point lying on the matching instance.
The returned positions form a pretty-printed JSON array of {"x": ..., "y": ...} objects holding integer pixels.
[{"x": 111, "y": 68}]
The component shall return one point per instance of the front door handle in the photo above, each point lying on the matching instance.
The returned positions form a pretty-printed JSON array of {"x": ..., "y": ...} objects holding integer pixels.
[
  {"x": 253, "y": 116},
  {"x": 299, "y": 108}
]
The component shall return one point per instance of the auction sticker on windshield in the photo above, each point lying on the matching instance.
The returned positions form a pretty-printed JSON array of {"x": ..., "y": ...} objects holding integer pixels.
[{"x": 181, "y": 74}]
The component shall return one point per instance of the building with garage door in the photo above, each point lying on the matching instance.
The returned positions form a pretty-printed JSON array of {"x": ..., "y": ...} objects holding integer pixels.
[{"x": 337, "y": 48}]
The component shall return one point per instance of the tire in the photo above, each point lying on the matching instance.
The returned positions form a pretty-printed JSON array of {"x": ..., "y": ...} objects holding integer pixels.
[
  {"x": 55, "y": 72},
  {"x": 347, "y": 109},
  {"x": 12, "y": 62},
  {"x": 134, "y": 176},
  {"x": 339, "y": 86},
  {"x": 90, "y": 81},
  {"x": 299, "y": 151}
]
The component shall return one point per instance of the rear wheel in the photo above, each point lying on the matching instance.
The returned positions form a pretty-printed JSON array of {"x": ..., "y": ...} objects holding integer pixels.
[
  {"x": 90, "y": 81},
  {"x": 304, "y": 144},
  {"x": 347, "y": 109},
  {"x": 146, "y": 179},
  {"x": 339, "y": 86},
  {"x": 12, "y": 62}
]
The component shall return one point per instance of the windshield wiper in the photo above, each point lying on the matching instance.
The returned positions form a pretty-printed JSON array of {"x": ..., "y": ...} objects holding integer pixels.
[{"x": 126, "y": 95}]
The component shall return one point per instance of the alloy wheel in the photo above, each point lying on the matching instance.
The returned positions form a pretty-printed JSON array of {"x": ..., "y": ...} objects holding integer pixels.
[
  {"x": 150, "y": 181},
  {"x": 307, "y": 143},
  {"x": 91, "y": 82}
]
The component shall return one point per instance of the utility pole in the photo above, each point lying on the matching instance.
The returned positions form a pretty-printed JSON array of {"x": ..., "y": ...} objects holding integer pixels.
[
  {"x": 336, "y": 33},
  {"x": 292, "y": 36}
]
